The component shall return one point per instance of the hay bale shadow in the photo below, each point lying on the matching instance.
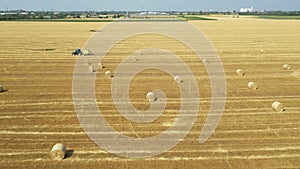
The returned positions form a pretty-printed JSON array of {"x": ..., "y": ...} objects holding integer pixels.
[
  {"x": 95, "y": 30},
  {"x": 3, "y": 91},
  {"x": 44, "y": 50},
  {"x": 69, "y": 154}
]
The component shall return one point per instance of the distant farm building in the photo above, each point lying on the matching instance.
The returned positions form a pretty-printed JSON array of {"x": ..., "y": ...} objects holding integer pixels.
[
  {"x": 47, "y": 17},
  {"x": 153, "y": 13},
  {"x": 103, "y": 16},
  {"x": 83, "y": 16},
  {"x": 247, "y": 9}
]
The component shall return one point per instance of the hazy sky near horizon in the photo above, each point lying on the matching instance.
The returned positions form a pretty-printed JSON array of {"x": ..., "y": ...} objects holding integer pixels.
[{"x": 124, "y": 5}]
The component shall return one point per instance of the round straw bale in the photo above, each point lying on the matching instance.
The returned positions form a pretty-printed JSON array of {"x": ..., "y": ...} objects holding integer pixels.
[
  {"x": 87, "y": 62},
  {"x": 108, "y": 74},
  {"x": 205, "y": 61},
  {"x": 1, "y": 89},
  {"x": 240, "y": 72},
  {"x": 178, "y": 79},
  {"x": 136, "y": 59},
  {"x": 58, "y": 152},
  {"x": 150, "y": 96},
  {"x": 278, "y": 107},
  {"x": 87, "y": 52},
  {"x": 91, "y": 69},
  {"x": 262, "y": 51},
  {"x": 100, "y": 65},
  {"x": 286, "y": 67},
  {"x": 252, "y": 86}
]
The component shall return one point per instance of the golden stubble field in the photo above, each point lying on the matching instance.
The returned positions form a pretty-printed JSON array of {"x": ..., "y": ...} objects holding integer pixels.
[{"x": 37, "y": 109}]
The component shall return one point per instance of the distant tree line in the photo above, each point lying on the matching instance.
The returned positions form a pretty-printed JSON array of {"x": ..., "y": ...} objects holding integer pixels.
[
  {"x": 25, "y": 15},
  {"x": 14, "y": 15}
]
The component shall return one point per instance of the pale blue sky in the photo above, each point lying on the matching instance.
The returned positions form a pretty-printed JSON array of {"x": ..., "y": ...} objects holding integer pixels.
[{"x": 181, "y": 5}]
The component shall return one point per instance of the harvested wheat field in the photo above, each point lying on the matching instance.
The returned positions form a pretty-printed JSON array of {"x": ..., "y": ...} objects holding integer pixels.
[{"x": 37, "y": 109}]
